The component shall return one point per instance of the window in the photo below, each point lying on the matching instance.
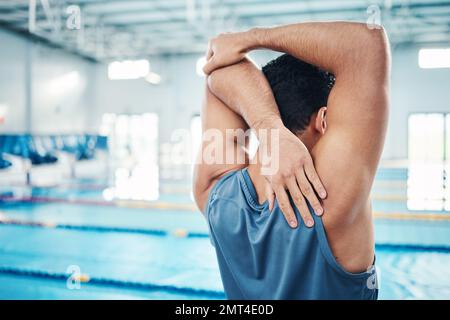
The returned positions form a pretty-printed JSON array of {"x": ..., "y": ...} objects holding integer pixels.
[
  {"x": 428, "y": 154},
  {"x": 133, "y": 145},
  {"x": 434, "y": 58}
]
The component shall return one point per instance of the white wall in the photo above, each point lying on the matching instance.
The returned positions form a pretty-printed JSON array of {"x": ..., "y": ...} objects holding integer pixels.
[
  {"x": 412, "y": 90},
  {"x": 130, "y": 96},
  {"x": 62, "y": 90},
  {"x": 12, "y": 83},
  {"x": 179, "y": 95},
  {"x": 176, "y": 99}
]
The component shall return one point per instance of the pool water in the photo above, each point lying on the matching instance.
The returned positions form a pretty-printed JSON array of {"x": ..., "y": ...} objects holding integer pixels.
[
  {"x": 413, "y": 273},
  {"x": 124, "y": 261}
]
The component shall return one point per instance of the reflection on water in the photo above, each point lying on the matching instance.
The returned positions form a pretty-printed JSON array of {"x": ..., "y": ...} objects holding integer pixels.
[{"x": 410, "y": 274}]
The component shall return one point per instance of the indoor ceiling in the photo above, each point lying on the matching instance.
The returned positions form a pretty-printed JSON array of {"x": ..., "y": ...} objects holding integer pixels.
[{"x": 117, "y": 29}]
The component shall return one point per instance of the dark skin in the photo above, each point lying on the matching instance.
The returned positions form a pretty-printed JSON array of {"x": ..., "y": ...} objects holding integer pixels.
[{"x": 345, "y": 143}]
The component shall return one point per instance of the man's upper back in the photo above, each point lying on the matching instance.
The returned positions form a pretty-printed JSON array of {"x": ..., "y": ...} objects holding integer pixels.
[{"x": 260, "y": 257}]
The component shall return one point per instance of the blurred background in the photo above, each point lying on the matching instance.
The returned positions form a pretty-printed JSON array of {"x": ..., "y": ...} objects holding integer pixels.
[{"x": 99, "y": 120}]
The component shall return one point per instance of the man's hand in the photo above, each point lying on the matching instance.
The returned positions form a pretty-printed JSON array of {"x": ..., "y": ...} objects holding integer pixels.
[
  {"x": 295, "y": 173},
  {"x": 226, "y": 49}
]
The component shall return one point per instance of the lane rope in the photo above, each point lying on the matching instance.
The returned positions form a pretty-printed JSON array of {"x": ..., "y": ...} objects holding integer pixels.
[
  {"x": 113, "y": 282},
  {"x": 134, "y": 204},
  {"x": 181, "y": 233},
  {"x": 191, "y": 208}
]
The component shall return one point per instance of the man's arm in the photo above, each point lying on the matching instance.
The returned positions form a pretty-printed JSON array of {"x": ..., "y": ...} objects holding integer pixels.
[
  {"x": 218, "y": 118},
  {"x": 347, "y": 156},
  {"x": 244, "y": 89},
  {"x": 211, "y": 162}
]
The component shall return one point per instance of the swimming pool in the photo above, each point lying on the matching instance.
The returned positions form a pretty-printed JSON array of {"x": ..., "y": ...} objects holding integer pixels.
[{"x": 141, "y": 253}]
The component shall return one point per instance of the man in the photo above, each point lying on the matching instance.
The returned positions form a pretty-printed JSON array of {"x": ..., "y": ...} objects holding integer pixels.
[{"x": 339, "y": 132}]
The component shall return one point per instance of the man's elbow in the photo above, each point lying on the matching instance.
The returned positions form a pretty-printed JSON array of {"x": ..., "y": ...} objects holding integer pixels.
[
  {"x": 225, "y": 77},
  {"x": 217, "y": 79},
  {"x": 376, "y": 48},
  {"x": 214, "y": 79}
]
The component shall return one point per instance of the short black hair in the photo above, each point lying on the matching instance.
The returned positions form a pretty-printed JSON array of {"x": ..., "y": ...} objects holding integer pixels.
[{"x": 300, "y": 89}]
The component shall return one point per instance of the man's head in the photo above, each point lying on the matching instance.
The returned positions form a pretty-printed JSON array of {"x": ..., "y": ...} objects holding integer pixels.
[{"x": 301, "y": 91}]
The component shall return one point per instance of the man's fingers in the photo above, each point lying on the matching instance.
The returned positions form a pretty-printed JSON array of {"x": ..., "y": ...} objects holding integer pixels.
[
  {"x": 213, "y": 64},
  {"x": 300, "y": 202},
  {"x": 270, "y": 196},
  {"x": 314, "y": 179},
  {"x": 285, "y": 206},
  {"x": 209, "y": 53},
  {"x": 308, "y": 191},
  {"x": 209, "y": 66}
]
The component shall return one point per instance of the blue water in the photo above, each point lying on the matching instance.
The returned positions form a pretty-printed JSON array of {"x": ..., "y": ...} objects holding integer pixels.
[
  {"x": 413, "y": 274},
  {"x": 167, "y": 220},
  {"x": 155, "y": 260},
  {"x": 172, "y": 261},
  {"x": 425, "y": 233},
  {"x": 389, "y": 183},
  {"x": 96, "y": 194},
  {"x": 29, "y": 288},
  {"x": 33, "y": 259}
]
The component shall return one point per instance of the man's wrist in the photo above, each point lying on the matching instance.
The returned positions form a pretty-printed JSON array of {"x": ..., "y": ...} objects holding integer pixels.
[
  {"x": 256, "y": 37},
  {"x": 268, "y": 122}
]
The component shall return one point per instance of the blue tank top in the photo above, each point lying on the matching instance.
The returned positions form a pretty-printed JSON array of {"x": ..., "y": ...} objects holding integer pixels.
[{"x": 261, "y": 257}]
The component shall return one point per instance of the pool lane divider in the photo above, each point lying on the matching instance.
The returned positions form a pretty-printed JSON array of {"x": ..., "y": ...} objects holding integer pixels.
[
  {"x": 42, "y": 274},
  {"x": 183, "y": 233},
  {"x": 143, "y": 204},
  {"x": 135, "y": 204},
  {"x": 191, "y": 208},
  {"x": 412, "y": 247},
  {"x": 412, "y": 216},
  {"x": 180, "y": 233}
]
